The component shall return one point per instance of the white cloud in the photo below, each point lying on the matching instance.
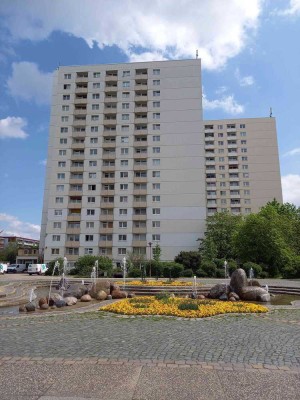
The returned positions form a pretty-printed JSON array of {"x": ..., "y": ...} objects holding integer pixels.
[
  {"x": 227, "y": 103},
  {"x": 293, "y": 9},
  {"x": 291, "y": 189},
  {"x": 29, "y": 83},
  {"x": 13, "y": 226},
  {"x": 218, "y": 29},
  {"x": 244, "y": 80},
  {"x": 43, "y": 162},
  {"x": 146, "y": 56},
  {"x": 292, "y": 152},
  {"x": 13, "y": 127}
]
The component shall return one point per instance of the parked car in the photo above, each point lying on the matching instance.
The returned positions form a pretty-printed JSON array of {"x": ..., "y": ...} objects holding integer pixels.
[
  {"x": 16, "y": 268},
  {"x": 3, "y": 268},
  {"x": 38, "y": 269}
]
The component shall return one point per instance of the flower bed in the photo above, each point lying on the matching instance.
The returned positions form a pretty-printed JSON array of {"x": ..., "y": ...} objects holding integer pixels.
[
  {"x": 180, "y": 307},
  {"x": 157, "y": 283}
]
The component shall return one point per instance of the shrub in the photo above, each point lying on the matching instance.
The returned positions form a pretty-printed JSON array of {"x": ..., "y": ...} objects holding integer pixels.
[
  {"x": 84, "y": 265},
  {"x": 188, "y": 306},
  {"x": 264, "y": 275},
  {"x": 57, "y": 271},
  {"x": 257, "y": 269},
  {"x": 188, "y": 273},
  {"x": 164, "y": 297},
  {"x": 171, "y": 269},
  {"x": 220, "y": 273},
  {"x": 232, "y": 266},
  {"x": 117, "y": 273},
  {"x": 134, "y": 273},
  {"x": 209, "y": 267},
  {"x": 189, "y": 259},
  {"x": 200, "y": 273}
]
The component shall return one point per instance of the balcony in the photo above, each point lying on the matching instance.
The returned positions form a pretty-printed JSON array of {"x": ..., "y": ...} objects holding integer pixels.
[
  {"x": 104, "y": 204},
  {"x": 70, "y": 243},
  {"x": 139, "y": 192},
  {"x": 141, "y": 119},
  {"x": 108, "y": 145},
  {"x": 139, "y": 230},
  {"x": 105, "y": 243},
  {"x": 74, "y": 218},
  {"x": 108, "y": 180},
  {"x": 106, "y": 231},
  {"x": 76, "y": 181},
  {"x": 138, "y": 156},
  {"x": 138, "y": 217},
  {"x": 78, "y": 146},
  {"x": 108, "y": 155},
  {"x": 141, "y": 179},
  {"x": 106, "y": 217},
  {"x": 77, "y": 157},
  {"x": 211, "y": 196},
  {"x": 77, "y": 169},
  {"x": 81, "y": 90},
  {"x": 139, "y": 243},
  {"x": 141, "y": 73},
  {"x": 141, "y": 86},
  {"x": 81, "y": 79},
  {"x": 73, "y": 231},
  {"x": 141, "y": 96},
  {"x": 108, "y": 168},
  {"x": 111, "y": 78},
  {"x": 110, "y": 89},
  {"x": 80, "y": 111},
  {"x": 72, "y": 257},
  {"x": 140, "y": 203}
]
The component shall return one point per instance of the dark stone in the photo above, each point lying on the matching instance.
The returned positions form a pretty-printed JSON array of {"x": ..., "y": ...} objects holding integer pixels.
[
  {"x": 232, "y": 298},
  {"x": 254, "y": 293},
  {"x": 22, "y": 308},
  {"x": 60, "y": 303},
  {"x": 109, "y": 297},
  {"x": 30, "y": 307},
  {"x": 131, "y": 295},
  {"x": 44, "y": 306},
  {"x": 119, "y": 294},
  {"x": 238, "y": 281},
  {"x": 114, "y": 286},
  {"x": 42, "y": 301},
  {"x": 100, "y": 286},
  {"x": 223, "y": 297},
  {"x": 234, "y": 295},
  {"x": 217, "y": 290},
  {"x": 51, "y": 302},
  {"x": 254, "y": 282}
]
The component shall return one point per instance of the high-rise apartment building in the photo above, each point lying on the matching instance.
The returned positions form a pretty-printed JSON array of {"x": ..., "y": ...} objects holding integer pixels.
[
  {"x": 242, "y": 164},
  {"x": 126, "y": 161}
]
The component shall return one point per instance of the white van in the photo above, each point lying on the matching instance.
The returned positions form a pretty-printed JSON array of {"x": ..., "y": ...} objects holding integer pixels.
[
  {"x": 3, "y": 268},
  {"x": 38, "y": 269},
  {"x": 16, "y": 268}
]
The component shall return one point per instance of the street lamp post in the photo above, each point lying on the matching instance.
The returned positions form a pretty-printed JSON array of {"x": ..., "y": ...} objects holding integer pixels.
[
  {"x": 124, "y": 271},
  {"x": 150, "y": 245}
]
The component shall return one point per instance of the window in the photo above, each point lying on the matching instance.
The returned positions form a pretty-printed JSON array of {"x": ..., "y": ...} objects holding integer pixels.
[
  {"x": 242, "y": 126},
  {"x": 122, "y": 224},
  {"x": 124, "y": 151},
  {"x": 89, "y": 238},
  {"x": 54, "y": 251},
  {"x": 61, "y": 164},
  {"x": 243, "y": 134},
  {"x": 156, "y": 93},
  {"x": 155, "y": 198},
  {"x": 244, "y": 158},
  {"x": 64, "y": 119},
  {"x": 95, "y": 106},
  {"x": 88, "y": 251},
  {"x": 125, "y": 128},
  {"x": 223, "y": 201},
  {"x": 247, "y": 192},
  {"x": 125, "y": 117},
  {"x": 96, "y": 96},
  {"x": 122, "y": 251},
  {"x": 126, "y": 84},
  {"x": 61, "y": 176},
  {"x": 92, "y": 163},
  {"x": 67, "y": 87},
  {"x": 244, "y": 150},
  {"x": 56, "y": 225},
  {"x": 91, "y": 199},
  {"x": 90, "y": 212},
  {"x": 94, "y": 128},
  {"x": 122, "y": 238},
  {"x": 124, "y": 139},
  {"x": 156, "y": 161},
  {"x": 90, "y": 224},
  {"x": 222, "y": 184},
  {"x": 124, "y": 163},
  {"x": 94, "y": 140},
  {"x": 59, "y": 200},
  {"x": 93, "y": 152},
  {"x": 247, "y": 201},
  {"x": 220, "y": 143},
  {"x": 91, "y": 187},
  {"x": 65, "y": 108},
  {"x": 56, "y": 238},
  {"x": 155, "y": 174},
  {"x": 63, "y": 130},
  {"x": 156, "y": 115},
  {"x": 66, "y": 97},
  {"x": 155, "y": 186},
  {"x": 60, "y": 188},
  {"x": 243, "y": 141},
  {"x": 156, "y": 138},
  {"x": 123, "y": 199},
  {"x": 96, "y": 74},
  {"x": 96, "y": 85},
  {"x": 156, "y": 104},
  {"x": 124, "y": 186},
  {"x": 156, "y": 127},
  {"x": 220, "y": 126},
  {"x": 244, "y": 166},
  {"x": 125, "y": 95},
  {"x": 123, "y": 174},
  {"x": 63, "y": 141},
  {"x": 223, "y": 192},
  {"x": 123, "y": 211},
  {"x": 62, "y": 152},
  {"x": 125, "y": 106},
  {"x": 156, "y": 82},
  {"x": 156, "y": 211},
  {"x": 57, "y": 212},
  {"x": 67, "y": 76},
  {"x": 156, "y": 150},
  {"x": 156, "y": 71},
  {"x": 126, "y": 73},
  {"x": 155, "y": 224},
  {"x": 95, "y": 117},
  {"x": 245, "y": 175},
  {"x": 246, "y": 184}
]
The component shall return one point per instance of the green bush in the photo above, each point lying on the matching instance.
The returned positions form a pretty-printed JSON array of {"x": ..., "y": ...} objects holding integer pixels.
[
  {"x": 257, "y": 269},
  {"x": 171, "y": 270},
  {"x": 188, "y": 306},
  {"x": 84, "y": 265},
  {"x": 264, "y": 275},
  {"x": 117, "y": 273},
  {"x": 188, "y": 273},
  {"x": 58, "y": 271},
  {"x": 162, "y": 296},
  {"x": 209, "y": 267},
  {"x": 189, "y": 259},
  {"x": 200, "y": 273},
  {"x": 134, "y": 273},
  {"x": 232, "y": 266},
  {"x": 220, "y": 273}
]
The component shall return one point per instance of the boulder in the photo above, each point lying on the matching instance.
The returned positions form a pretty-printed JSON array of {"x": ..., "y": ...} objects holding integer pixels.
[
  {"x": 254, "y": 293},
  {"x": 60, "y": 303},
  {"x": 232, "y": 298},
  {"x": 22, "y": 308},
  {"x": 70, "y": 301},
  {"x": 86, "y": 298},
  {"x": 254, "y": 282},
  {"x": 101, "y": 295},
  {"x": 42, "y": 301},
  {"x": 109, "y": 297},
  {"x": 200, "y": 297},
  {"x": 131, "y": 295},
  {"x": 30, "y": 307},
  {"x": 44, "y": 306},
  {"x": 100, "y": 286},
  {"x": 56, "y": 296},
  {"x": 114, "y": 286},
  {"x": 236, "y": 296},
  {"x": 217, "y": 290},
  {"x": 51, "y": 301},
  {"x": 223, "y": 296},
  {"x": 238, "y": 281},
  {"x": 119, "y": 294}
]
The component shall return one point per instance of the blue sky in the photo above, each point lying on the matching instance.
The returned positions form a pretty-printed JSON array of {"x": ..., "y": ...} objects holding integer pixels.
[{"x": 250, "y": 51}]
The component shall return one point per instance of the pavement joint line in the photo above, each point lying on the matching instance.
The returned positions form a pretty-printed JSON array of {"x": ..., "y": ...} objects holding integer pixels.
[{"x": 150, "y": 363}]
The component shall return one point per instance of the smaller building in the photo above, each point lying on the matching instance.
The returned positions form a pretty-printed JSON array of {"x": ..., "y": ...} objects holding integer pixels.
[{"x": 28, "y": 249}]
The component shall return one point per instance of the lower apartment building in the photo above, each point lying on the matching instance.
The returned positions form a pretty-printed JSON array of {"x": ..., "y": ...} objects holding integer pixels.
[{"x": 131, "y": 162}]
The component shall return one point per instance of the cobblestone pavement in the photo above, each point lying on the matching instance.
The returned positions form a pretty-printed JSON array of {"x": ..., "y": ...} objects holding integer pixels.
[{"x": 270, "y": 340}]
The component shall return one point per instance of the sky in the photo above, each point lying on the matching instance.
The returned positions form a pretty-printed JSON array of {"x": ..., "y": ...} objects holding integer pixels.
[{"x": 250, "y": 51}]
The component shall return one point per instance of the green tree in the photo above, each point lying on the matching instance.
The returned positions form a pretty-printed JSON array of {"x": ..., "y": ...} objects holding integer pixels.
[
  {"x": 156, "y": 260},
  {"x": 9, "y": 253},
  {"x": 189, "y": 259},
  {"x": 84, "y": 265}
]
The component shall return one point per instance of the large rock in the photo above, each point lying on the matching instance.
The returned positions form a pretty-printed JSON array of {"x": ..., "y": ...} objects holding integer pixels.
[
  {"x": 114, "y": 286},
  {"x": 30, "y": 307},
  {"x": 22, "y": 308},
  {"x": 56, "y": 296},
  {"x": 254, "y": 293},
  {"x": 119, "y": 294},
  {"x": 76, "y": 290},
  {"x": 86, "y": 298},
  {"x": 70, "y": 301},
  {"x": 217, "y": 290},
  {"x": 238, "y": 281},
  {"x": 254, "y": 282},
  {"x": 101, "y": 295},
  {"x": 42, "y": 301},
  {"x": 44, "y": 306},
  {"x": 100, "y": 286},
  {"x": 60, "y": 303},
  {"x": 51, "y": 301},
  {"x": 234, "y": 295}
]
